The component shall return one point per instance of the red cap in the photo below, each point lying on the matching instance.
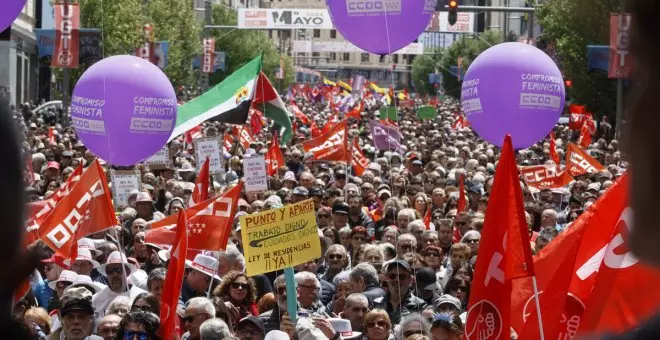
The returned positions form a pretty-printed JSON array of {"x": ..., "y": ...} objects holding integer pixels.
[
  {"x": 57, "y": 259},
  {"x": 53, "y": 165}
]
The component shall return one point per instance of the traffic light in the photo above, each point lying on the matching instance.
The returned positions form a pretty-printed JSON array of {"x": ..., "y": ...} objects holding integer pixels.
[
  {"x": 568, "y": 83},
  {"x": 453, "y": 9}
]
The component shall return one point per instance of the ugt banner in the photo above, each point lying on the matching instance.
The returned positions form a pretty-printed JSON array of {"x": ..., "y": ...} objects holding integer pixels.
[
  {"x": 67, "y": 35},
  {"x": 620, "y": 59}
]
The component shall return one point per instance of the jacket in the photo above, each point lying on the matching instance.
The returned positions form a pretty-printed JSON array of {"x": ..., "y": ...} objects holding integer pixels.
[
  {"x": 365, "y": 221},
  {"x": 410, "y": 304},
  {"x": 271, "y": 319},
  {"x": 375, "y": 295},
  {"x": 327, "y": 291}
]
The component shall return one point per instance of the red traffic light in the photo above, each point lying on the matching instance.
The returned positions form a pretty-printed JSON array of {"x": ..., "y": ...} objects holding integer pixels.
[
  {"x": 453, "y": 4},
  {"x": 568, "y": 83}
]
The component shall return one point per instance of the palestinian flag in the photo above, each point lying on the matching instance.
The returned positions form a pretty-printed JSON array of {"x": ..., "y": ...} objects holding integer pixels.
[
  {"x": 227, "y": 102},
  {"x": 267, "y": 100}
]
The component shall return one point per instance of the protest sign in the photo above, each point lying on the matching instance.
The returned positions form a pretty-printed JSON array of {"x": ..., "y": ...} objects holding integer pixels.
[
  {"x": 210, "y": 147},
  {"x": 280, "y": 238},
  {"x": 160, "y": 160},
  {"x": 254, "y": 174},
  {"x": 123, "y": 182}
]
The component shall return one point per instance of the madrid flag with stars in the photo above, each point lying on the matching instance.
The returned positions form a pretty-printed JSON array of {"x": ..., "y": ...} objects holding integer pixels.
[{"x": 209, "y": 223}]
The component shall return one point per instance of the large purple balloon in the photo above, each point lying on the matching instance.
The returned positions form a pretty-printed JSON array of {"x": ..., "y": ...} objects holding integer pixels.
[
  {"x": 516, "y": 89},
  {"x": 9, "y": 11},
  {"x": 381, "y": 26},
  {"x": 124, "y": 109}
]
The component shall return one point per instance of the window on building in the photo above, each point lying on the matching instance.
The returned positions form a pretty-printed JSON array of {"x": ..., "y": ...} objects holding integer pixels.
[
  {"x": 333, "y": 34},
  {"x": 346, "y": 57},
  {"x": 395, "y": 58},
  {"x": 364, "y": 57},
  {"x": 333, "y": 56},
  {"x": 316, "y": 54},
  {"x": 317, "y": 33}
]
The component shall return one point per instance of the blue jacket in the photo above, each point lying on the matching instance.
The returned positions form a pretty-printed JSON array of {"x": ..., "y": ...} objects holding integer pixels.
[{"x": 42, "y": 292}]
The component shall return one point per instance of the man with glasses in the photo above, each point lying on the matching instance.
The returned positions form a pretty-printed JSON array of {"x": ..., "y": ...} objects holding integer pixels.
[
  {"x": 324, "y": 217},
  {"x": 198, "y": 310},
  {"x": 399, "y": 300},
  {"x": 406, "y": 244},
  {"x": 273, "y": 317},
  {"x": 309, "y": 292},
  {"x": 462, "y": 222},
  {"x": 116, "y": 269},
  {"x": 336, "y": 259}
]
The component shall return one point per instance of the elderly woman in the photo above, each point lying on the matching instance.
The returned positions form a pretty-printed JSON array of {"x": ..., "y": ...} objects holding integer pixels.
[
  {"x": 344, "y": 288},
  {"x": 377, "y": 326},
  {"x": 472, "y": 239}
]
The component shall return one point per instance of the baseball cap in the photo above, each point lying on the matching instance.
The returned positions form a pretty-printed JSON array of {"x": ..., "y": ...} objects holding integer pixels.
[
  {"x": 400, "y": 263},
  {"x": 302, "y": 191},
  {"x": 447, "y": 299},
  {"x": 253, "y": 320},
  {"x": 77, "y": 298},
  {"x": 340, "y": 208},
  {"x": 53, "y": 165},
  {"x": 426, "y": 279}
]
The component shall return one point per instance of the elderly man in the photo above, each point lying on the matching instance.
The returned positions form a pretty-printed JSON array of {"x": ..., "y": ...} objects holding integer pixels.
[
  {"x": 198, "y": 310},
  {"x": 202, "y": 271},
  {"x": 273, "y": 317},
  {"x": 309, "y": 292},
  {"x": 214, "y": 329},
  {"x": 355, "y": 308},
  {"x": 399, "y": 300},
  {"x": 404, "y": 217},
  {"x": 549, "y": 226},
  {"x": 364, "y": 279},
  {"x": 76, "y": 315},
  {"x": 336, "y": 259},
  {"x": 108, "y": 326},
  {"x": 116, "y": 269},
  {"x": 406, "y": 244}
]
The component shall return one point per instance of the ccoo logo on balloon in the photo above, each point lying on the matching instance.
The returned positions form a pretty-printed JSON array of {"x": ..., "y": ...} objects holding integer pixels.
[{"x": 373, "y": 6}]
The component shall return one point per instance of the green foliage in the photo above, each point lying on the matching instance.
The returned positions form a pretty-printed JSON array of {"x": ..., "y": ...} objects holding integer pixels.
[
  {"x": 570, "y": 26},
  {"x": 421, "y": 67},
  {"x": 242, "y": 46},
  {"x": 467, "y": 47}
]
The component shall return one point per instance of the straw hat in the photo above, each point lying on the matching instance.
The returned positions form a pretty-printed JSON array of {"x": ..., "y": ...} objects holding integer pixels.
[
  {"x": 117, "y": 258},
  {"x": 205, "y": 264}
]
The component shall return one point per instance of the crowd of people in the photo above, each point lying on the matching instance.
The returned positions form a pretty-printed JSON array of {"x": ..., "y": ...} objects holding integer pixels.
[{"x": 384, "y": 274}]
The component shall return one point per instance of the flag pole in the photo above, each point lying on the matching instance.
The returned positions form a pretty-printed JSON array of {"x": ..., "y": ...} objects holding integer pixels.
[{"x": 538, "y": 306}]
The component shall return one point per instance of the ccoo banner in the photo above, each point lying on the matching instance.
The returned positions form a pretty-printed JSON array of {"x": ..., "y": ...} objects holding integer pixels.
[
  {"x": 67, "y": 35},
  {"x": 208, "y": 56}
]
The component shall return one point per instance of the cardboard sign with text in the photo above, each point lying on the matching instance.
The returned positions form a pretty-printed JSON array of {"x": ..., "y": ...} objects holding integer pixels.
[
  {"x": 123, "y": 182},
  {"x": 280, "y": 238},
  {"x": 210, "y": 147},
  {"x": 254, "y": 174},
  {"x": 160, "y": 160}
]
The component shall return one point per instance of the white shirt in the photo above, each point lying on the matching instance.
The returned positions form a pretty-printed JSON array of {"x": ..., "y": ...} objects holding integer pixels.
[{"x": 102, "y": 299}]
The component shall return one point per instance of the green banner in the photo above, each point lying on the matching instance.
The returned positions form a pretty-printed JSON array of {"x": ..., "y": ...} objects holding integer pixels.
[
  {"x": 426, "y": 112},
  {"x": 388, "y": 112}
]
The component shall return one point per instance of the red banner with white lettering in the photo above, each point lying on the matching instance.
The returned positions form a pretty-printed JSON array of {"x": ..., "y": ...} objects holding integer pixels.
[
  {"x": 579, "y": 162},
  {"x": 146, "y": 51},
  {"x": 545, "y": 177},
  {"x": 208, "y": 55},
  {"x": 86, "y": 210},
  {"x": 620, "y": 58},
  {"x": 67, "y": 35},
  {"x": 331, "y": 146},
  {"x": 359, "y": 162},
  {"x": 274, "y": 157},
  {"x": 588, "y": 279}
]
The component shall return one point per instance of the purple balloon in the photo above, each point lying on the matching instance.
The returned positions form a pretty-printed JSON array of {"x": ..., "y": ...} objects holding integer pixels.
[
  {"x": 381, "y": 26},
  {"x": 10, "y": 11},
  {"x": 124, "y": 109},
  {"x": 516, "y": 89}
]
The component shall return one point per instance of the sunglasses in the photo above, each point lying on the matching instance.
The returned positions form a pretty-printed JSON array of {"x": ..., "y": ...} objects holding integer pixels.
[
  {"x": 432, "y": 254},
  {"x": 472, "y": 241},
  {"x": 406, "y": 246},
  {"x": 139, "y": 335},
  {"x": 335, "y": 256},
  {"x": 460, "y": 223},
  {"x": 238, "y": 285},
  {"x": 400, "y": 277},
  {"x": 192, "y": 317},
  {"x": 324, "y": 216},
  {"x": 381, "y": 324},
  {"x": 116, "y": 270}
]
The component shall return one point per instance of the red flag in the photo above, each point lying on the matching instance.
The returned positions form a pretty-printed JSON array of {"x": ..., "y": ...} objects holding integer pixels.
[
  {"x": 227, "y": 142},
  {"x": 359, "y": 162},
  {"x": 67, "y": 35},
  {"x": 545, "y": 177},
  {"x": 355, "y": 112},
  {"x": 20, "y": 292},
  {"x": 209, "y": 223},
  {"x": 256, "y": 122},
  {"x": 38, "y": 211},
  {"x": 461, "y": 205},
  {"x": 274, "y": 157},
  {"x": 330, "y": 124},
  {"x": 331, "y": 146},
  {"x": 169, "y": 320},
  {"x": 460, "y": 123},
  {"x": 553, "y": 149},
  {"x": 504, "y": 254},
  {"x": 51, "y": 135},
  {"x": 578, "y": 115},
  {"x": 315, "y": 130},
  {"x": 579, "y": 162},
  {"x": 427, "y": 218},
  {"x": 588, "y": 278},
  {"x": 244, "y": 136},
  {"x": 86, "y": 210},
  {"x": 299, "y": 114},
  {"x": 201, "y": 191},
  {"x": 192, "y": 134},
  {"x": 585, "y": 133}
]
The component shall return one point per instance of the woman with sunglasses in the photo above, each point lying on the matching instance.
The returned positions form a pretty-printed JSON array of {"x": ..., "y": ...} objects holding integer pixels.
[
  {"x": 377, "y": 326},
  {"x": 459, "y": 289},
  {"x": 138, "y": 325},
  {"x": 446, "y": 327},
  {"x": 358, "y": 237},
  {"x": 238, "y": 292}
]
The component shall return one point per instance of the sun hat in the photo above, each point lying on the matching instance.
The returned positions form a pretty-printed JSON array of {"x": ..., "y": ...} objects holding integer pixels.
[
  {"x": 117, "y": 258},
  {"x": 343, "y": 327},
  {"x": 86, "y": 282},
  {"x": 65, "y": 276},
  {"x": 205, "y": 264},
  {"x": 88, "y": 243},
  {"x": 84, "y": 254}
]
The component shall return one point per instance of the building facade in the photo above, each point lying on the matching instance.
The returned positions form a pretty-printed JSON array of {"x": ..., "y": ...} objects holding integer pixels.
[
  {"x": 390, "y": 70},
  {"x": 18, "y": 57}
]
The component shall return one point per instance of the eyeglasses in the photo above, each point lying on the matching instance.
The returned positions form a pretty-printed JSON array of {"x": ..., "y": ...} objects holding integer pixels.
[
  {"x": 335, "y": 256},
  {"x": 133, "y": 335},
  {"x": 192, "y": 317},
  {"x": 316, "y": 289},
  {"x": 381, "y": 324},
  {"x": 238, "y": 285},
  {"x": 116, "y": 270},
  {"x": 400, "y": 277},
  {"x": 472, "y": 241},
  {"x": 323, "y": 215},
  {"x": 406, "y": 246}
]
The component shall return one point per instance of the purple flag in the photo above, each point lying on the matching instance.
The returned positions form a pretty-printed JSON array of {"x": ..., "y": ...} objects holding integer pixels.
[{"x": 386, "y": 137}]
